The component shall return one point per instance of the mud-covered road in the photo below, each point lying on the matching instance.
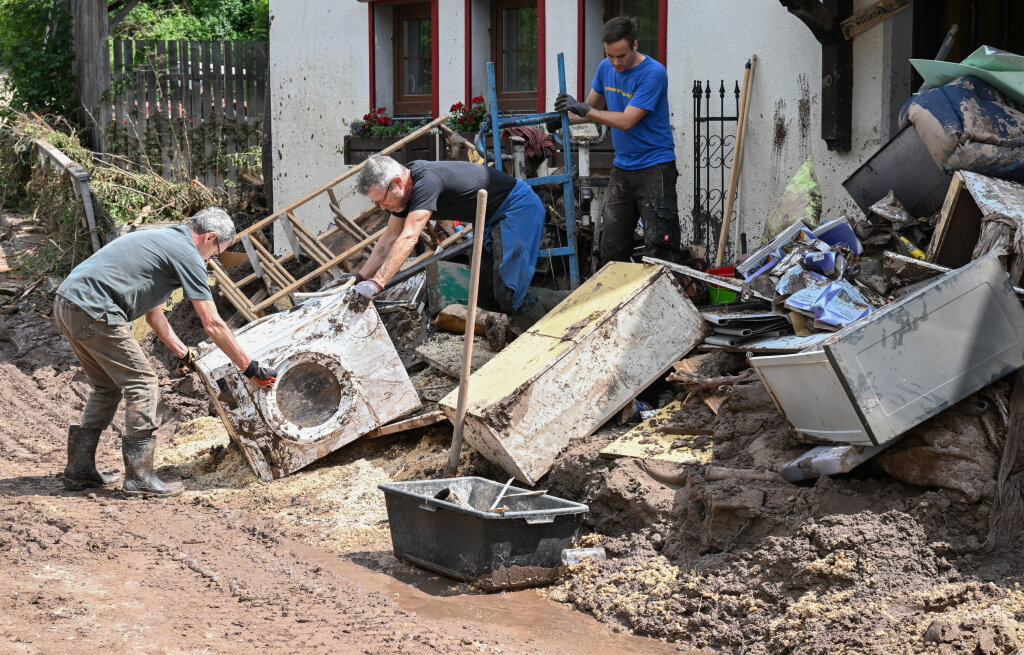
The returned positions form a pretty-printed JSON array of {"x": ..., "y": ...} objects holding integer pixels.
[{"x": 92, "y": 572}]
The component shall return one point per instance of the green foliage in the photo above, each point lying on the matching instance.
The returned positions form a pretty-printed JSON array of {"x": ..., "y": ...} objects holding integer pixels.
[
  {"x": 119, "y": 196},
  {"x": 36, "y": 47},
  {"x": 198, "y": 20}
]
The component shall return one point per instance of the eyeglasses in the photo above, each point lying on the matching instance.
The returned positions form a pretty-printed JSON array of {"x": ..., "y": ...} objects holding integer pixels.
[
  {"x": 385, "y": 196},
  {"x": 219, "y": 251}
]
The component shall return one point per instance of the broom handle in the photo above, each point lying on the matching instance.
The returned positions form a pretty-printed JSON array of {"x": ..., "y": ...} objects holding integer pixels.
[
  {"x": 467, "y": 347},
  {"x": 723, "y": 238}
]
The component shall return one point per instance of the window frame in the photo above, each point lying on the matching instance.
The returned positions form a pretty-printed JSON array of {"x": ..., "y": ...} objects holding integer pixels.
[
  {"x": 408, "y": 104},
  {"x": 511, "y": 100},
  {"x": 613, "y": 9}
]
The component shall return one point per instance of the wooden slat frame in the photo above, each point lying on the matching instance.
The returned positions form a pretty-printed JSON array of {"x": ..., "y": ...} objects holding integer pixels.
[{"x": 310, "y": 244}]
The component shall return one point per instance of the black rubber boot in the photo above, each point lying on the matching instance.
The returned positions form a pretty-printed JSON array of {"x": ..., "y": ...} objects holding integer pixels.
[
  {"x": 81, "y": 473},
  {"x": 140, "y": 480}
]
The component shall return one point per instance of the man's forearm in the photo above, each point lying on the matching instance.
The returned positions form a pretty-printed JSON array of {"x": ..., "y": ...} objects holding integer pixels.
[
  {"x": 220, "y": 334},
  {"x": 400, "y": 251},
  {"x": 377, "y": 256},
  {"x": 158, "y": 322},
  {"x": 616, "y": 119}
]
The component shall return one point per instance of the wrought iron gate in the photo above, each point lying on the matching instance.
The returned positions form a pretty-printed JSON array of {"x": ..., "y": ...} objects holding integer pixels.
[{"x": 714, "y": 137}]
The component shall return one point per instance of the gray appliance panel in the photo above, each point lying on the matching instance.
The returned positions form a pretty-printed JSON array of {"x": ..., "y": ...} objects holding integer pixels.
[
  {"x": 904, "y": 166},
  {"x": 931, "y": 349}
]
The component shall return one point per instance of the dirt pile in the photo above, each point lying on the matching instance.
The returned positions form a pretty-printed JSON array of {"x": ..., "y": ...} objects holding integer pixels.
[{"x": 864, "y": 582}]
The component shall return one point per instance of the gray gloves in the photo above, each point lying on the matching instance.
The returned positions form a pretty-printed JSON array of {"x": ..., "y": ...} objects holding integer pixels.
[
  {"x": 565, "y": 102},
  {"x": 368, "y": 288}
]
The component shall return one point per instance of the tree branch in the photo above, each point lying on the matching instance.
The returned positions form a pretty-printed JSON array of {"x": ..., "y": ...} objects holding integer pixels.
[{"x": 125, "y": 10}]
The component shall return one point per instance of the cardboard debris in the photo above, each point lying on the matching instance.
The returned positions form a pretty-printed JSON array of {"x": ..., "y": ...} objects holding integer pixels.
[{"x": 648, "y": 440}]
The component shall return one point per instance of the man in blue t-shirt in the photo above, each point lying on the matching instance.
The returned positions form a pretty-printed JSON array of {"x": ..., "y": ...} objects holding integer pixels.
[{"x": 630, "y": 95}]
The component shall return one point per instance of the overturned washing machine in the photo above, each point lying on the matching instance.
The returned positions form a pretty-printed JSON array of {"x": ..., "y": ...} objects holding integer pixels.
[{"x": 338, "y": 377}]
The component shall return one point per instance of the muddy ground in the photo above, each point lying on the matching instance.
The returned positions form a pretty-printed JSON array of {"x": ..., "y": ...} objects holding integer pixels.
[{"x": 887, "y": 559}]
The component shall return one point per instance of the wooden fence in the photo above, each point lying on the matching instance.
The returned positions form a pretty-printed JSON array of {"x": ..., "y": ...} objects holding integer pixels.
[{"x": 186, "y": 107}]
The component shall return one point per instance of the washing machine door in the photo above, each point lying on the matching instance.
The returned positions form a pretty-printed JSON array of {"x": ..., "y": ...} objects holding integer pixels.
[{"x": 313, "y": 398}]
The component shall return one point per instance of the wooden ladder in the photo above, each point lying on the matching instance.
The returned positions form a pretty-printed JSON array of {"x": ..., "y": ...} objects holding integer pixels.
[{"x": 303, "y": 243}]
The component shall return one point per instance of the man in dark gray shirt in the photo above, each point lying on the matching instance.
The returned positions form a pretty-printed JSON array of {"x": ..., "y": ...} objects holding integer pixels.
[
  {"x": 132, "y": 277},
  {"x": 447, "y": 191}
]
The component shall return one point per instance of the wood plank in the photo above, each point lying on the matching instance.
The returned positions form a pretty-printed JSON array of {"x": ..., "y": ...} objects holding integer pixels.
[
  {"x": 217, "y": 78},
  {"x": 240, "y": 74},
  {"x": 229, "y": 80},
  {"x": 260, "y": 70},
  {"x": 231, "y": 292},
  {"x": 423, "y": 420},
  {"x": 194, "y": 91},
  {"x": 152, "y": 92},
  {"x": 271, "y": 267},
  {"x": 173, "y": 82},
  {"x": 871, "y": 16},
  {"x": 250, "y": 82},
  {"x": 649, "y": 441},
  {"x": 118, "y": 78},
  {"x": 958, "y": 229},
  {"x": 320, "y": 248}
]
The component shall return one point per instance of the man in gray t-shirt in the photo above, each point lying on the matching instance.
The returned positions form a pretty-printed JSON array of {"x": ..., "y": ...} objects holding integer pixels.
[{"x": 129, "y": 278}]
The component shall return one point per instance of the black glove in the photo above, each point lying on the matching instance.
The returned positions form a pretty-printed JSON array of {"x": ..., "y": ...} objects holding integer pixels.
[
  {"x": 553, "y": 125},
  {"x": 565, "y": 102},
  {"x": 186, "y": 362},
  {"x": 261, "y": 375}
]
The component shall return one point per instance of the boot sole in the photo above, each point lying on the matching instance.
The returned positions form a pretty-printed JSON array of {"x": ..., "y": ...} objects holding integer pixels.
[
  {"x": 152, "y": 494},
  {"x": 79, "y": 485}
]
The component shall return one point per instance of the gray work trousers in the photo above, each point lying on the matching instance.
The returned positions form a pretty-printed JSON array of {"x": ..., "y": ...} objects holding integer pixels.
[{"x": 115, "y": 366}]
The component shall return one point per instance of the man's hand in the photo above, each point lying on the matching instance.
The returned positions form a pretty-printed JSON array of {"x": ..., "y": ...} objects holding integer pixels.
[
  {"x": 565, "y": 102},
  {"x": 186, "y": 362},
  {"x": 369, "y": 288},
  {"x": 553, "y": 125},
  {"x": 261, "y": 375}
]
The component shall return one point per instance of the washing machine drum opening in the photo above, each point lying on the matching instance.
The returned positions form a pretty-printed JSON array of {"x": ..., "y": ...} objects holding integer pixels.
[{"x": 308, "y": 394}]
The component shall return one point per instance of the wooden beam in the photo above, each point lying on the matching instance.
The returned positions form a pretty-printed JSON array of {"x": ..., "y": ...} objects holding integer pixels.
[
  {"x": 423, "y": 420},
  {"x": 822, "y": 18}
]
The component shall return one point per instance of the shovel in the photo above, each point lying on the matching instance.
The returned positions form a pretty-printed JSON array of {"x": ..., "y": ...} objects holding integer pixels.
[{"x": 467, "y": 347}]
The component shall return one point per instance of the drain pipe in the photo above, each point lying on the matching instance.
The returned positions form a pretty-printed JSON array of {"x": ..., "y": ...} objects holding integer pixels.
[{"x": 467, "y": 347}]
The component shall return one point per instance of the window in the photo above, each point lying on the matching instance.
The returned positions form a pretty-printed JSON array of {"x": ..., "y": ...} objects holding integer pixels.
[
  {"x": 645, "y": 12},
  {"x": 413, "y": 50},
  {"x": 515, "y": 44}
]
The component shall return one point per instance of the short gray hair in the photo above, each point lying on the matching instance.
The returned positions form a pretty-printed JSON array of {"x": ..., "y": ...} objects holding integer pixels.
[
  {"x": 377, "y": 173},
  {"x": 213, "y": 219}
]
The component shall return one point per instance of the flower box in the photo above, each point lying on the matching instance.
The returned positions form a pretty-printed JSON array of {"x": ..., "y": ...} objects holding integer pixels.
[{"x": 358, "y": 148}]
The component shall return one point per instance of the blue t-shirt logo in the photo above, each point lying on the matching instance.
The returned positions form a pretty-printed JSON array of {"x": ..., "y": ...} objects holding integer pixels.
[{"x": 645, "y": 86}]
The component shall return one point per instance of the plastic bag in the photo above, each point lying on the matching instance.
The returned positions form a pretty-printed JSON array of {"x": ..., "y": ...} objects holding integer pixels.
[{"x": 801, "y": 201}]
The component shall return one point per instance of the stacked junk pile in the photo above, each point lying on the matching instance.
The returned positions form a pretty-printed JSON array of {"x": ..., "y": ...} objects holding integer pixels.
[{"x": 860, "y": 329}]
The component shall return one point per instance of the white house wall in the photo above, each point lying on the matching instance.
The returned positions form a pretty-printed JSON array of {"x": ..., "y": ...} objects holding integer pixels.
[
  {"x": 319, "y": 72},
  {"x": 319, "y": 80}
]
